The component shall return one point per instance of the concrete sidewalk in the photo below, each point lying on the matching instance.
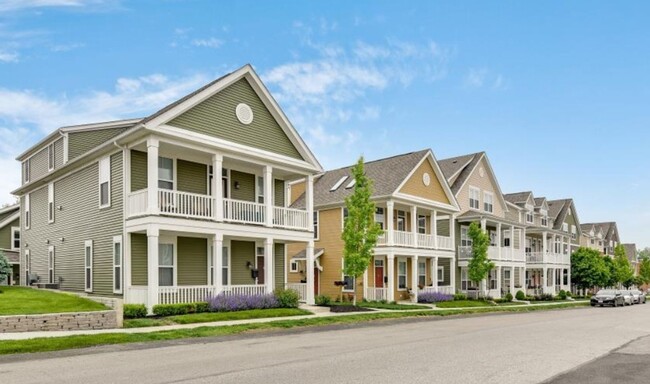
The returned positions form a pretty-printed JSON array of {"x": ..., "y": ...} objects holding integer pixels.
[{"x": 316, "y": 310}]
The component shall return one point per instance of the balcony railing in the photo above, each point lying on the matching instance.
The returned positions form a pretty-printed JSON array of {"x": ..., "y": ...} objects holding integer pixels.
[
  {"x": 494, "y": 253},
  {"x": 407, "y": 239},
  {"x": 549, "y": 257},
  {"x": 197, "y": 206}
]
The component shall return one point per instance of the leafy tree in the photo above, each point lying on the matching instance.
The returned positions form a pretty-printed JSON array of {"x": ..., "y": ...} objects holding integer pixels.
[
  {"x": 610, "y": 279},
  {"x": 643, "y": 253},
  {"x": 360, "y": 232},
  {"x": 479, "y": 265},
  {"x": 5, "y": 268},
  {"x": 624, "y": 274},
  {"x": 644, "y": 271},
  {"x": 589, "y": 269}
]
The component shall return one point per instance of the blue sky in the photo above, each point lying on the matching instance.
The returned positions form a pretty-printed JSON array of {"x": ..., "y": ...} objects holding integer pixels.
[{"x": 557, "y": 93}]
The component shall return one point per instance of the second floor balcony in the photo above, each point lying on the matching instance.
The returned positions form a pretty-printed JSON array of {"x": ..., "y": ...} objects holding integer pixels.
[
  {"x": 415, "y": 240},
  {"x": 547, "y": 258},
  {"x": 495, "y": 253}
]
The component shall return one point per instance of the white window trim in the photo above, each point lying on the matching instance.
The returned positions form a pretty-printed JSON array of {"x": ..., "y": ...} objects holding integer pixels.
[
  {"x": 26, "y": 171},
  {"x": 50, "y": 157},
  {"x": 167, "y": 240},
  {"x": 15, "y": 230},
  {"x": 441, "y": 269},
  {"x": 104, "y": 165},
  {"x": 88, "y": 267},
  {"x": 28, "y": 215},
  {"x": 259, "y": 181},
  {"x": 466, "y": 238},
  {"x": 401, "y": 214},
  {"x": 424, "y": 224},
  {"x": 406, "y": 280},
  {"x": 478, "y": 197},
  {"x": 118, "y": 240},
  {"x": 228, "y": 268},
  {"x": 381, "y": 215},
  {"x": 485, "y": 201},
  {"x": 28, "y": 262},
  {"x": 354, "y": 280},
  {"x": 174, "y": 174},
  {"x": 50, "y": 203},
  {"x": 532, "y": 217},
  {"x": 293, "y": 266},
  {"x": 316, "y": 215},
  {"x": 420, "y": 263},
  {"x": 342, "y": 218},
  {"x": 51, "y": 254}
]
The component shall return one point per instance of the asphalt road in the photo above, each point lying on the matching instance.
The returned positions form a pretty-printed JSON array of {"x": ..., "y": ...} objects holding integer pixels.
[{"x": 553, "y": 346}]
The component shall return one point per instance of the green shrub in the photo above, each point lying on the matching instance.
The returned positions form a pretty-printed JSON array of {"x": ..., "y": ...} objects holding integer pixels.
[
  {"x": 568, "y": 294},
  {"x": 180, "y": 309},
  {"x": 561, "y": 295},
  {"x": 508, "y": 297},
  {"x": 287, "y": 298},
  {"x": 460, "y": 296},
  {"x": 544, "y": 297},
  {"x": 323, "y": 300},
  {"x": 520, "y": 295},
  {"x": 134, "y": 311}
]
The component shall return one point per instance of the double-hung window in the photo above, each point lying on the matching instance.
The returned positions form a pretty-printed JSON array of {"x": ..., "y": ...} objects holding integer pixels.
[
  {"x": 260, "y": 189},
  {"x": 574, "y": 232},
  {"x": 224, "y": 266},
  {"x": 488, "y": 202},
  {"x": 441, "y": 274},
  {"x": 465, "y": 240},
  {"x": 104, "y": 182},
  {"x": 28, "y": 215},
  {"x": 422, "y": 273},
  {"x": 493, "y": 279},
  {"x": 50, "y": 203},
  {"x": 544, "y": 221},
  {"x": 88, "y": 266},
  {"x": 117, "y": 264},
  {"x": 50, "y": 264},
  {"x": 565, "y": 227},
  {"x": 401, "y": 274},
  {"x": 293, "y": 266},
  {"x": 28, "y": 263},
  {"x": 474, "y": 196},
  {"x": 165, "y": 264},
  {"x": 345, "y": 217},
  {"x": 506, "y": 238},
  {"x": 15, "y": 238},
  {"x": 50, "y": 157},
  {"x": 165, "y": 173},
  {"x": 401, "y": 221},
  {"x": 422, "y": 224},
  {"x": 349, "y": 281},
  {"x": 529, "y": 217},
  {"x": 379, "y": 216},
  {"x": 316, "y": 229}
]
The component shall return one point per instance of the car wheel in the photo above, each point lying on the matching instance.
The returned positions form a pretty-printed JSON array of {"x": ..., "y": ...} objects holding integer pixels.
[{"x": 614, "y": 305}]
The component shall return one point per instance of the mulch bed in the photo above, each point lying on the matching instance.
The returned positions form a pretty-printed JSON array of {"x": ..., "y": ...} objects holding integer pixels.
[{"x": 348, "y": 308}]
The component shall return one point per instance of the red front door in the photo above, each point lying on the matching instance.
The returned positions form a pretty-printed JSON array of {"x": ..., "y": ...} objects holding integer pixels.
[
  {"x": 260, "y": 270},
  {"x": 316, "y": 283},
  {"x": 379, "y": 273}
]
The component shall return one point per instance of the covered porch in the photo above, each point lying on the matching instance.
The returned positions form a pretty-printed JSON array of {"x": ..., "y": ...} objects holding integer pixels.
[
  {"x": 506, "y": 238},
  {"x": 547, "y": 280},
  {"x": 503, "y": 279}
]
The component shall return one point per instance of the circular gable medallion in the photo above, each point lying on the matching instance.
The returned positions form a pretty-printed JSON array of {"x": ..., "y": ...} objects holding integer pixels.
[
  {"x": 426, "y": 179},
  {"x": 244, "y": 113}
]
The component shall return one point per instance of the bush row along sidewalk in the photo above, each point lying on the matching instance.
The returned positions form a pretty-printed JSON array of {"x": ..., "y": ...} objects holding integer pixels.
[{"x": 27, "y": 344}]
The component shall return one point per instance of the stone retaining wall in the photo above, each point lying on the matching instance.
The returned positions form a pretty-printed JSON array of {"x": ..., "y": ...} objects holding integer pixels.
[{"x": 59, "y": 321}]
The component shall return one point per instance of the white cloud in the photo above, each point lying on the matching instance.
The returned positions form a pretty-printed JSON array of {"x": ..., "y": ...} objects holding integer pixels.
[
  {"x": 66, "y": 47},
  {"x": 14, "y": 5},
  {"x": 8, "y": 57},
  {"x": 475, "y": 78},
  {"x": 211, "y": 42}
]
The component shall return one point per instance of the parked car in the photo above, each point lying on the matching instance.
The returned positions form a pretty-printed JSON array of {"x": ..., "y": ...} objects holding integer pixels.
[
  {"x": 607, "y": 297},
  {"x": 628, "y": 297},
  {"x": 639, "y": 297}
]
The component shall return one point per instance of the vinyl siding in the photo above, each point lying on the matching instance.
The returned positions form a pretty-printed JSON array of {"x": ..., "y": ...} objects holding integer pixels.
[
  {"x": 38, "y": 164},
  {"x": 138, "y": 170},
  {"x": 7, "y": 214},
  {"x": 278, "y": 259},
  {"x": 246, "y": 189},
  {"x": 484, "y": 183},
  {"x": 297, "y": 190},
  {"x": 446, "y": 264},
  {"x": 216, "y": 117},
  {"x": 5, "y": 234},
  {"x": 443, "y": 228},
  {"x": 192, "y": 261},
  {"x": 82, "y": 142},
  {"x": 138, "y": 259},
  {"x": 241, "y": 253},
  {"x": 414, "y": 186},
  {"x": 58, "y": 154},
  {"x": 278, "y": 193},
  {"x": 192, "y": 177},
  {"x": 80, "y": 219}
]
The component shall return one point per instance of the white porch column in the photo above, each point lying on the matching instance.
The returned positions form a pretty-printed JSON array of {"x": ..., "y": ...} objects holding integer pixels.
[
  {"x": 452, "y": 274},
  {"x": 153, "y": 235},
  {"x": 499, "y": 277},
  {"x": 452, "y": 229},
  {"x": 568, "y": 278},
  {"x": 390, "y": 261},
  {"x": 512, "y": 241},
  {"x": 499, "y": 243},
  {"x": 268, "y": 264},
  {"x": 414, "y": 279},
  {"x": 310, "y": 272},
  {"x": 484, "y": 225},
  {"x": 414, "y": 225},
  {"x": 309, "y": 194},
  {"x": 126, "y": 266},
  {"x": 434, "y": 272},
  {"x": 390, "y": 207},
  {"x": 512, "y": 280},
  {"x": 217, "y": 262},
  {"x": 544, "y": 247},
  {"x": 365, "y": 283},
  {"x": 152, "y": 175},
  {"x": 268, "y": 195},
  {"x": 217, "y": 187},
  {"x": 542, "y": 279},
  {"x": 434, "y": 228}
]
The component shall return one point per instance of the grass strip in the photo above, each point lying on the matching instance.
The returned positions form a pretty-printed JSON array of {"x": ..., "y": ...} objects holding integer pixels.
[
  {"x": 48, "y": 344},
  {"x": 209, "y": 317},
  {"x": 31, "y": 301}
]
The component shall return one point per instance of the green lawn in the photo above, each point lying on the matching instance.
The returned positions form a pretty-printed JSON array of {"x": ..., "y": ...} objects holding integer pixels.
[
  {"x": 464, "y": 304},
  {"x": 72, "y": 342},
  {"x": 511, "y": 303},
  {"x": 215, "y": 316},
  {"x": 390, "y": 306},
  {"x": 29, "y": 301}
]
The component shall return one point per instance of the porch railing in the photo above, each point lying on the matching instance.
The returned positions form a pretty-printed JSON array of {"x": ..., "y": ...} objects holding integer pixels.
[
  {"x": 290, "y": 218},
  {"x": 185, "y": 294},
  {"x": 403, "y": 238},
  {"x": 244, "y": 289},
  {"x": 425, "y": 241},
  {"x": 137, "y": 295},
  {"x": 240, "y": 211},
  {"x": 448, "y": 290},
  {"x": 138, "y": 202},
  {"x": 301, "y": 288},
  {"x": 177, "y": 203},
  {"x": 444, "y": 242},
  {"x": 376, "y": 294}
]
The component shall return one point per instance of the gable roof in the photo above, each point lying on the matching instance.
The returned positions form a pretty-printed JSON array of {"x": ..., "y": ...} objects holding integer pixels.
[
  {"x": 630, "y": 251},
  {"x": 388, "y": 175},
  {"x": 518, "y": 197},
  {"x": 539, "y": 201},
  {"x": 558, "y": 211}
]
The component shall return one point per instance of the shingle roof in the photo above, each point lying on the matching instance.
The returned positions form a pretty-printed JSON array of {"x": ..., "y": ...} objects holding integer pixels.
[
  {"x": 539, "y": 201},
  {"x": 461, "y": 165},
  {"x": 387, "y": 174},
  {"x": 475, "y": 214},
  {"x": 557, "y": 210},
  {"x": 518, "y": 197},
  {"x": 630, "y": 251},
  {"x": 302, "y": 255}
]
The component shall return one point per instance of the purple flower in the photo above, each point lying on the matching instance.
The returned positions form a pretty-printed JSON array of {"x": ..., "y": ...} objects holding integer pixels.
[
  {"x": 434, "y": 297},
  {"x": 226, "y": 302}
]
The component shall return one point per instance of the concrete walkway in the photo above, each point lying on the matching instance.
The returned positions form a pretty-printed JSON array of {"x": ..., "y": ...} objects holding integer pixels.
[{"x": 316, "y": 310}]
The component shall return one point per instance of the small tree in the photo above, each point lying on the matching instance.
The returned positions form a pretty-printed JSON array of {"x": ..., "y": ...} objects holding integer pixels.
[
  {"x": 644, "y": 271},
  {"x": 622, "y": 267},
  {"x": 360, "y": 231},
  {"x": 479, "y": 265},
  {"x": 588, "y": 269},
  {"x": 643, "y": 253},
  {"x": 5, "y": 268},
  {"x": 609, "y": 279}
]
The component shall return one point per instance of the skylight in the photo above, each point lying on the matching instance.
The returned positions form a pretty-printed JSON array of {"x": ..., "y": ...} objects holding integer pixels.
[
  {"x": 351, "y": 184},
  {"x": 339, "y": 183}
]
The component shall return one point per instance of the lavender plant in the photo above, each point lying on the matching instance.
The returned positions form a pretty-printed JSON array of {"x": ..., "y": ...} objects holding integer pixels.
[{"x": 434, "y": 297}]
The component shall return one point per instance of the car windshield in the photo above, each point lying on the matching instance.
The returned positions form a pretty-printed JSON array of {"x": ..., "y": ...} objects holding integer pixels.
[{"x": 606, "y": 292}]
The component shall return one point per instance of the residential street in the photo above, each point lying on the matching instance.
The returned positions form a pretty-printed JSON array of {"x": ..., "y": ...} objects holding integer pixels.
[{"x": 513, "y": 348}]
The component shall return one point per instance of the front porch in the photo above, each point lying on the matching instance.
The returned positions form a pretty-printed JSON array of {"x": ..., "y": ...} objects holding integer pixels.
[
  {"x": 501, "y": 280},
  {"x": 547, "y": 280}
]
